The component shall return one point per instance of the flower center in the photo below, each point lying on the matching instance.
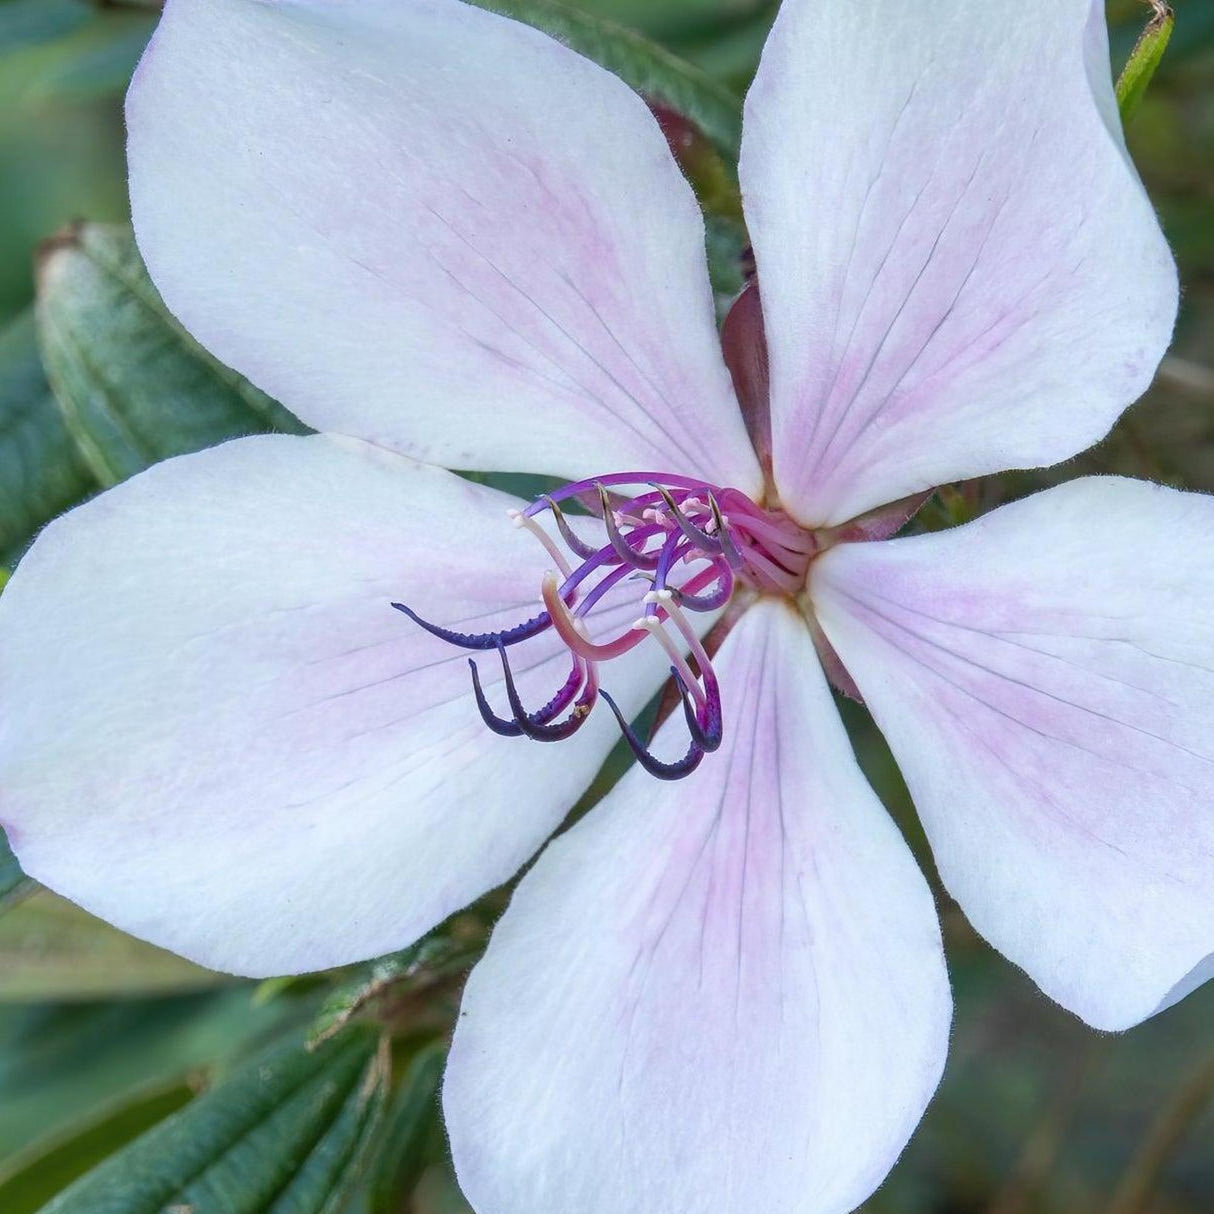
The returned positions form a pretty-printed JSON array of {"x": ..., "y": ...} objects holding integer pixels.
[{"x": 688, "y": 546}]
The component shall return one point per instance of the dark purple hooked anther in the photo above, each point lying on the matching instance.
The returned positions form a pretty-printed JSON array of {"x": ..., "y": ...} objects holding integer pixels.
[
  {"x": 481, "y": 640},
  {"x": 530, "y": 723},
  {"x": 499, "y": 725},
  {"x": 653, "y": 765},
  {"x": 564, "y": 697}
]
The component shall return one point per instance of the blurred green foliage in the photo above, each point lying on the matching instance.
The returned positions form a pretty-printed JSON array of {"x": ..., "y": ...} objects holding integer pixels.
[{"x": 103, "y": 1038}]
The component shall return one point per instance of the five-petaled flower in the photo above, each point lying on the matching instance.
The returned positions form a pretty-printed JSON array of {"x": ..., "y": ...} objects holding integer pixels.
[{"x": 447, "y": 241}]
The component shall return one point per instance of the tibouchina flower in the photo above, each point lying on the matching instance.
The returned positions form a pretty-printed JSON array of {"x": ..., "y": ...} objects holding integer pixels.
[{"x": 445, "y": 240}]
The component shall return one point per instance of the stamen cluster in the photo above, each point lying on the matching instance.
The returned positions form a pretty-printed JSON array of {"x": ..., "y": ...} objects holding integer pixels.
[{"x": 692, "y": 545}]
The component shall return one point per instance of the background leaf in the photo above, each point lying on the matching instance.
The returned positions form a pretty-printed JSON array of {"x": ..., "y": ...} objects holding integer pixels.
[
  {"x": 134, "y": 387},
  {"x": 41, "y": 469},
  {"x": 63, "y": 1064},
  {"x": 412, "y": 1124},
  {"x": 13, "y": 882},
  {"x": 30, "y": 1180},
  {"x": 52, "y": 950},
  {"x": 279, "y": 1137}
]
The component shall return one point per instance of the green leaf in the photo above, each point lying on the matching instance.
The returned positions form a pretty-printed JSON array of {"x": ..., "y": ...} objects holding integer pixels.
[
  {"x": 94, "y": 63},
  {"x": 134, "y": 387},
  {"x": 60, "y": 1063},
  {"x": 50, "y": 949},
  {"x": 282, "y": 1136},
  {"x": 411, "y": 1124},
  {"x": 57, "y": 52},
  {"x": 656, "y": 74},
  {"x": 27, "y": 23},
  {"x": 41, "y": 470},
  {"x": 1136, "y": 77},
  {"x": 14, "y": 884},
  {"x": 31, "y": 1179}
]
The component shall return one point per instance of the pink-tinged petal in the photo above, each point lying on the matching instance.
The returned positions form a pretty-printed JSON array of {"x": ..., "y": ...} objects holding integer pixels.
[
  {"x": 1045, "y": 677},
  {"x": 220, "y": 736},
  {"x": 424, "y": 225},
  {"x": 961, "y": 271},
  {"x": 725, "y": 994}
]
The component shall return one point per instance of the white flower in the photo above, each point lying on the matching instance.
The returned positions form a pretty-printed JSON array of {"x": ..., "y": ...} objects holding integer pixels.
[{"x": 454, "y": 243}]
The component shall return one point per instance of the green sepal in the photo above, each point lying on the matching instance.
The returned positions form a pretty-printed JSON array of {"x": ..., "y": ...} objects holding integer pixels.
[
  {"x": 1144, "y": 59},
  {"x": 433, "y": 961}
]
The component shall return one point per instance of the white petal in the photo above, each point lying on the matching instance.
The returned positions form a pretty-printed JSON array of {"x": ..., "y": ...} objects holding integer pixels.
[
  {"x": 1045, "y": 677},
  {"x": 221, "y": 737},
  {"x": 424, "y": 225},
  {"x": 724, "y": 994},
  {"x": 961, "y": 271}
]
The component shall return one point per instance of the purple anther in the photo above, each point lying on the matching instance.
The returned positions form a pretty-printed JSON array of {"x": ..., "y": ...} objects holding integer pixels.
[
  {"x": 708, "y": 602},
  {"x": 572, "y": 542},
  {"x": 507, "y": 729},
  {"x": 709, "y": 731},
  {"x": 728, "y": 547},
  {"x": 623, "y": 549},
  {"x": 698, "y": 539},
  {"x": 563, "y": 698},
  {"x": 531, "y": 724},
  {"x": 677, "y": 770},
  {"x": 482, "y": 640}
]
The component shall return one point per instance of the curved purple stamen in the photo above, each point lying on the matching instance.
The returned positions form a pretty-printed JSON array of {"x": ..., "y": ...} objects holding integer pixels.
[
  {"x": 613, "y": 579},
  {"x": 575, "y": 545},
  {"x": 697, "y": 538},
  {"x": 564, "y": 697},
  {"x": 728, "y": 547},
  {"x": 482, "y": 640},
  {"x": 656, "y": 767},
  {"x": 672, "y": 550},
  {"x": 530, "y": 723},
  {"x": 499, "y": 725},
  {"x": 624, "y": 550},
  {"x": 709, "y": 602}
]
